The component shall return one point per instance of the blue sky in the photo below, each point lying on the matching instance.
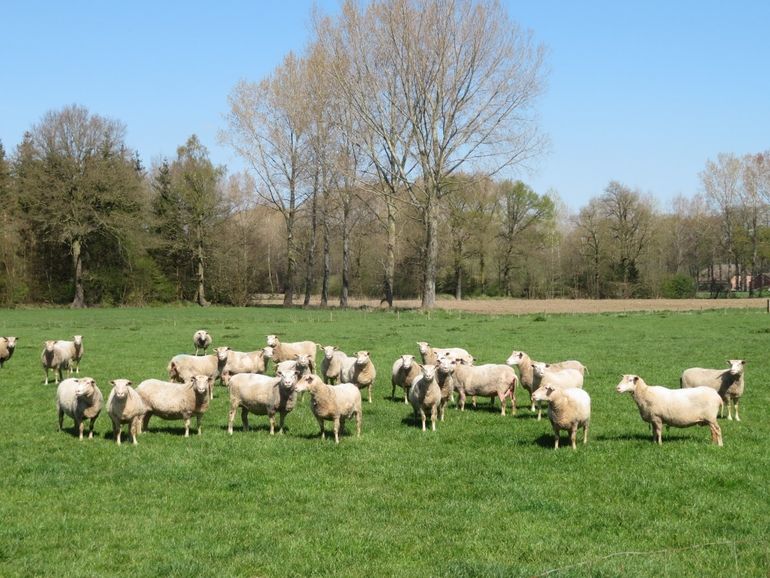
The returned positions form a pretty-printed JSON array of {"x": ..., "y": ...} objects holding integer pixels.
[{"x": 639, "y": 92}]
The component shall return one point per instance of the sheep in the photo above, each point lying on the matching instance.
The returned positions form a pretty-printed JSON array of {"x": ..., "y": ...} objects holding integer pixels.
[
  {"x": 262, "y": 395},
  {"x": 51, "y": 358},
  {"x": 245, "y": 362},
  {"x": 659, "y": 405},
  {"x": 287, "y": 351},
  {"x": 71, "y": 352},
  {"x": 431, "y": 355},
  {"x": 201, "y": 340},
  {"x": 425, "y": 395},
  {"x": 526, "y": 370},
  {"x": 405, "y": 369},
  {"x": 331, "y": 365},
  {"x": 7, "y": 347},
  {"x": 80, "y": 399},
  {"x": 445, "y": 379},
  {"x": 485, "y": 380},
  {"x": 548, "y": 374},
  {"x": 333, "y": 403},
  {"x": 568, "y": 409},
  {"x": 171, "y": 400},
  {"x": 361, "y": 371},
  {"x": 125, "y": 405},
  {"x": 727, "y": 382},
  {"x": 182, "y": 367}
]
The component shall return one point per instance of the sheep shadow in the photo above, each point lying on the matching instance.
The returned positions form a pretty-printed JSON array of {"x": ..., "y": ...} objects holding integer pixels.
[
  {"x": 641, "y": 437},
  {"x": 174, "y": 430}
]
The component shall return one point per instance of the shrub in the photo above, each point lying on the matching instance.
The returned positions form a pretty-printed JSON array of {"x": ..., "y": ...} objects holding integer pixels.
[{"x": 678, "y": 287}]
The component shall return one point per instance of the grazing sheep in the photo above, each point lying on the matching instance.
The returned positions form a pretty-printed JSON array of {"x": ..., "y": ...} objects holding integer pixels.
[
  {"x": 431, "y": 355},
  {"x": 568, "y": 409},
  {"x": 182, "y": 367},
  {"x": 727, "y": 382},
  {"x": 527, "y": 372},
  {"x": 547, "y": 374},
  {"x": 245, "y": 361},
  {"x": 124, "y": 405},
  {"x": 288, "y": 351},
  {"x": 51, "y": 358},
  {"x": 201, "y": 340},
  {"x": 170, "y": 400},
  {"x": 262, "y": 395},
  {"x": 331, "y": 365},
  {"x": 80, "y": 399},
  {"x": 7, "y": 347},
  {"x": 332, "y": 403},
  {"x": 425, "y": 395},
  {"x": 405, "y": 369},
  {"x": 488, "y": 380},
  {"x": 71, "y": 352},
  {"x": 445, "y": 378},
  {"x": 659, "y": 405},
  {"x": 361, "y": 371}
]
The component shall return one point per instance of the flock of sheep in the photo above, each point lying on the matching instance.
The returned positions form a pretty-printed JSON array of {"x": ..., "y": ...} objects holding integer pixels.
[{"x": 335, "y": 392}]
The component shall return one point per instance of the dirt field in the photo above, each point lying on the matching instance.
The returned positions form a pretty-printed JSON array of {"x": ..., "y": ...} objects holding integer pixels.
[{"x": 525, "y": 306}]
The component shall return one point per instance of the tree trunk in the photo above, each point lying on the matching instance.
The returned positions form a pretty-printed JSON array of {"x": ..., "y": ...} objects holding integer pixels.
[
  {"x": 291, "y": 262},
  {"x": 345, "y": 255},
  {"x": 310, "y": 263},
  {"x": 200, "y": 295},
  {"x": 390, "y": 253},
  {"x": 79, "y": 302},
  {"x": 431, "y": 256},
  {"x": 327, "y": 259}
]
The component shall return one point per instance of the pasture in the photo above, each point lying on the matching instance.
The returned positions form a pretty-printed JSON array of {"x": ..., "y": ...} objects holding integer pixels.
[{"x": 484, "y": 495}]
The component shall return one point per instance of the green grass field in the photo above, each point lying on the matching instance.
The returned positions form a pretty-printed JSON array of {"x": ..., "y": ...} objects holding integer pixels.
[{"x": 484, "y": 495}]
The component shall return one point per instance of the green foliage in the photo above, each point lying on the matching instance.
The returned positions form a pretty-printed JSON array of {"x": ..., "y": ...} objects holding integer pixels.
[
  {"x": 483, "y": 495},
  {"x": 678, "y": 287}
]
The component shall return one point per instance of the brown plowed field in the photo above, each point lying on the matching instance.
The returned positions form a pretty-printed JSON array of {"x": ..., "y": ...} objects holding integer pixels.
[{"x": 525, "y": 306}]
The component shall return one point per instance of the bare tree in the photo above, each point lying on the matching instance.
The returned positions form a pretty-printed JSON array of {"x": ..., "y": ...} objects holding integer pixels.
[
  {"x": 754, "y": 194},
  {"x": 268, "y": 127}
]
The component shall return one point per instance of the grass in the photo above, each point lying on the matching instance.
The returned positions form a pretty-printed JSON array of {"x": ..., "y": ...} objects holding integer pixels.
[{"x": 482, "y": 496}]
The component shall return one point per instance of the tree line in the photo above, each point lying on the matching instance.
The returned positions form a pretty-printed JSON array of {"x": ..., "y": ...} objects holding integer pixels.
[{"x": 375, "y": 165}]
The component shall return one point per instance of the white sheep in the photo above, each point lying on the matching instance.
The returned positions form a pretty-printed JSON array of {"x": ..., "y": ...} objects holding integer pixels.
[
  {"x": 288, "y": 351},
  {"x": 332, "y": 363},
  {"x": 262, "y": 395},
  {"x": 80, "y": 399},
  {"x": 334, "y": 403},
  {"x": 659, "y": 405},
  {"x": 445, "y": 379},
  {"x": 487, "y": 380},
  {"x": 201, "y": 340},
  {"x": 170, "y": 400},
  {"x": 51, "y": 358},
  {"x": 405, "y": 369},
  {"x": 727, "y": 382},
  {"x": 125, "y": 405},
  {"x": 527, "y": 374},
  {"x": 7, "y": 347},
  {"x": 183, "y": 367},
  {"x": 71, "y": 352},
  {"x": 568, "y": 409},
  {"x": 425, "y": 395},
  {"x": 245, "y": 361},
  {"x": 361, "y": 371},
  {"x": 547, "y": 374},
  {"x": 432, "y": 355}
]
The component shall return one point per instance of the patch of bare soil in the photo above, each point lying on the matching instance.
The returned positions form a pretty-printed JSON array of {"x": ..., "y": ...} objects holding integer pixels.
[{"x": 529, "y": 306}]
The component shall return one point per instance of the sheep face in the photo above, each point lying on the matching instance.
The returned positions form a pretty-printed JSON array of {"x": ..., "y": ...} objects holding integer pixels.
[
  {"x": 200, "y": 336},
  {"x": 515, "y": 358},
  {"x": 406, "y": 361},
  {"x": 226, "y": 375},
  {"x": 200, "y": 383},
  {"x": 329, "y": 351},
  {"x": 272, "y": 340},
  {"x": 85, "y": 387},
  {"x": 302, "y": 360},
  {"x": 120, "y": 387},
  {"x": 10, "y": 343},
  {"x": 540, "y": 368},
  {"x": 736, "y": 366},
  {"x": 267, "y": 352},
  {"x": 424, "y": 347},
  {"x": 362, "y": 358},
  {"x": 49, "y": 345},
  {"x": 428, "y": 372},
  {"x": 288, "y": 378},
  {"x": 628, "y": 383},
  {"x": 446, "y": 365},
  {"x": 221, "y": 353},
  {"x": 303, "y": 384},
  {"x": 78, "y": 340},
  {"x": 542, "y": 393}
]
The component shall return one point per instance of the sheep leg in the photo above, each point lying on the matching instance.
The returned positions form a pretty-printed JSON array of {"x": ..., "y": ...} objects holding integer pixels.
[
  {"x": 539, "y": 411},
  {"x": 61, "y": 418},
  {"x": 91, "y": 428},
  {"x": 422, "y": 416},
  {"x": 198, "y": 422},
  {"x": 370, "y": 392},
  {"x": 271, "y": 418},
  {"x": 473, "y": 400},
  {"x": 282, "y": 420},
  {"x": 573, "y": 435},
  {"x": 79, "y": 426},
  {"x": 657, "y": 432},
  {"x": 406, "y": 395},
  {"x": 502, "y": 402},
  {"x": 462, "y": 400},
  {"x": 321, "y": 425},
  {"x": 146, "y": 421},
  {"x": 433, "y": 417},
  {"x": 336, "y": 429},
  {"x": 134, "y": 426},
  {"x": 46, "y": 378},
  {"x": 231, "y": 419},
  {"x": 726, "y": 402},
  {"x": 59, "y": 374},
  {"x": 245, "y": 419},
  {"x": 359, "y": 418},
  {"x": 585, "y": 432},
  {"x": 441, "y": 408},
  {"x": 555, "y": 437},
  {"x": 116, "y": 430},
  {"x": 716, "y": 433},
  {"x": 735, "y": 403},
  {"x": 187, "y": 427}
]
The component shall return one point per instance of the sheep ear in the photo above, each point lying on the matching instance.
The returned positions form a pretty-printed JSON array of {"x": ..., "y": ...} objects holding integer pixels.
[
  {"x": 129, "y": 382},
  {"x": 112, "y": 382},
  {"x": 636, "y": 378},
  {"x": 279, "y": 373}
]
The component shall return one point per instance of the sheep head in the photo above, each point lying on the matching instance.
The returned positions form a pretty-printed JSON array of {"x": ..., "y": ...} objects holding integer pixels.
[
  {"x": 85, "y": 387},
  {"x": 515, "y": 358},
  {"x": 628, "y": 383},
  {"x": 362, "y": 358},
  {"x": 120, "y": 387},
  {"x": 328, "y": 350},
  {"x": 736, "y": 366},
  {"x": 272, "y": 341},
  {"x": 200, "y": 383},
  {"x": 406, "y": 361}
]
